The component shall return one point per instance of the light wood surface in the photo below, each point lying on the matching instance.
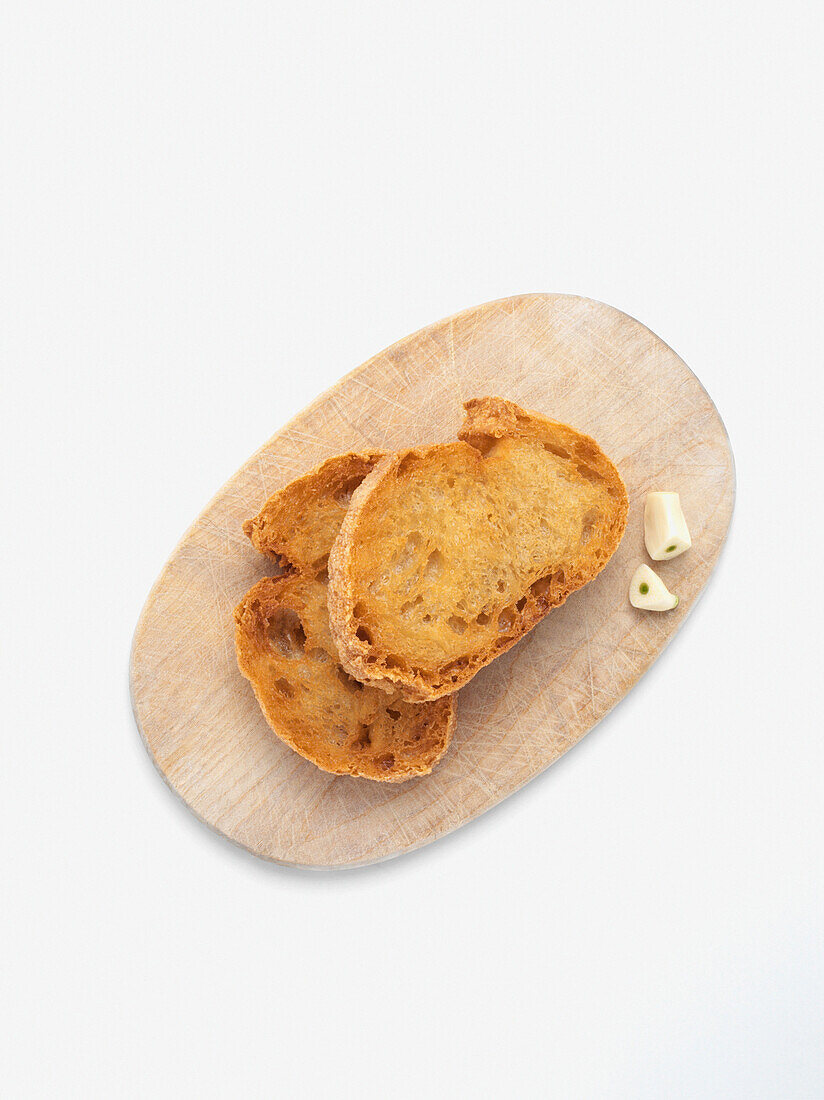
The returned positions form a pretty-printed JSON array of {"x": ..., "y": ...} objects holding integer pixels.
[{"x": 570, "y": 358}]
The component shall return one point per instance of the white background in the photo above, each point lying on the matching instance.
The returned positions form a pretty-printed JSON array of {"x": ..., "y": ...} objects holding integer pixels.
[{"x": 211, "y": 211}]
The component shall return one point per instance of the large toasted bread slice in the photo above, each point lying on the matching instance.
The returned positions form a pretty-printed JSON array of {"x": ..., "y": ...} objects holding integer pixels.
[
  {"x": 285, "y": 649},
  {"x": 451, "y": 553}
]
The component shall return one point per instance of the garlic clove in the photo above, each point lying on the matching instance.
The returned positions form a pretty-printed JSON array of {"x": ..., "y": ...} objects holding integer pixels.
[
  {"x": 665, "y": 530},
  {"x": 649, "y": 593}
]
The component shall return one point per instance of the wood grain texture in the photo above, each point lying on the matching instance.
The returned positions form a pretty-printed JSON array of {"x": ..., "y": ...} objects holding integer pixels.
[{"x": 570, "y": 358}]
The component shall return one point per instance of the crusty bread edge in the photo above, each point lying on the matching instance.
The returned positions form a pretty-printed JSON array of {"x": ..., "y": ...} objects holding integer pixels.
[
  {"x": 484, "y": 416},
  {"x": 340, "y": 595}
]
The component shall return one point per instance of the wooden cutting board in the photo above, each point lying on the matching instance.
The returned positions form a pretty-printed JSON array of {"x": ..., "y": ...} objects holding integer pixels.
[{"x": 569, "y": 358}]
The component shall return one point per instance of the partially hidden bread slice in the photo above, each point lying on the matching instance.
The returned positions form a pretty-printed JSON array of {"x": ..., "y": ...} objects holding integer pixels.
[
  {"x": 285, "y": 648},
  {"x": 451, "y": 553},
  {"x": 298, "y": 524}
]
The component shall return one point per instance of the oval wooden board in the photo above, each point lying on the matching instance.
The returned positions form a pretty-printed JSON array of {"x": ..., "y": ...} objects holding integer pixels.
[{"x": 570, "y": 358}]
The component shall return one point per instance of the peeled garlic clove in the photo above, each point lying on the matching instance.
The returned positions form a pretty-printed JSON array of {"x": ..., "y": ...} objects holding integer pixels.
[
  {"x": 649, "y": 593},
  {"x": 665, "y": 529}
]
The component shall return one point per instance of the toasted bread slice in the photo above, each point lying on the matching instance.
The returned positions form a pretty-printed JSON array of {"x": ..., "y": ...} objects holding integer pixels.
[
  {"x": 285, "y": 648},
  {"x": 451, "y": 553}
]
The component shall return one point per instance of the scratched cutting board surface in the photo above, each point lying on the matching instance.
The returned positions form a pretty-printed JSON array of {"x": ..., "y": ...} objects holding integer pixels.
[{"x": 570, "y": 358}]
